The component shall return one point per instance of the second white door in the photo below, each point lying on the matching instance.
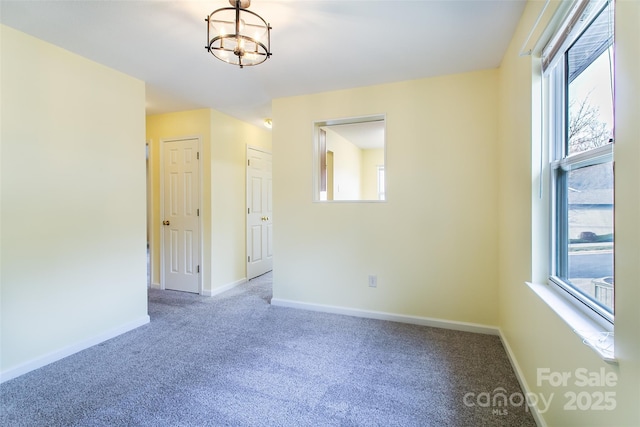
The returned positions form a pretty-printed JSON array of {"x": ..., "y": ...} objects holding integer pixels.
[{"x": 259, "y": 213}]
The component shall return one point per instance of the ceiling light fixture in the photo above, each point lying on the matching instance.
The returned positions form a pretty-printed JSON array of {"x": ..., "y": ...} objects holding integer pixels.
[
  {"x": 238, "y": 36},
  {"x": 268, "y": 123}
]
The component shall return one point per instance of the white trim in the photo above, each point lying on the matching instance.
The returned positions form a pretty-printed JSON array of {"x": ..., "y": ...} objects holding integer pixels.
[
  {"x": 223, "y": 288},
  {"x": 161, "y": 205},
  {"x": 586, "y": 328},
  {"x": 255, "y": 147},
  {"x": 161, "y": 196},
  {"x": 579, "y": 303},
  {"x": 150, "y": 213},
  {"x": 591, "y": 157},
  {"x": 539, "y": 419},
  {"x": 529, "y": 51},
  {"x": 155, "y": 286},
  {"x": 392, "y": 317},
  {"x": 56, "y": 355}
]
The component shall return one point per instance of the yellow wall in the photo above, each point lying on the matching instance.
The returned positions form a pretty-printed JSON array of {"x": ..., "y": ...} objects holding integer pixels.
[
  {"x": 73, "y": 203},
  {"x": 371, "y": 159},
  {"x": 433, "y": 243},
  {"x": 230, "y": 138},
  {"x": 537, "y": 337},
  {"x": 347, "y": 167},
  {"x": 224, "y": 142}
]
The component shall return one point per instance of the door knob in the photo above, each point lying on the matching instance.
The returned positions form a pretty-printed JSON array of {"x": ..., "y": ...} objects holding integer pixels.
[{"x": 166, "y": 223}]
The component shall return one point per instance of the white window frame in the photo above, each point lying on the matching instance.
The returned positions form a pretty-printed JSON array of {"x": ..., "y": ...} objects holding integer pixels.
[
  {"x": 381, "y": 182},
  {"x": 560, "y": 162}
]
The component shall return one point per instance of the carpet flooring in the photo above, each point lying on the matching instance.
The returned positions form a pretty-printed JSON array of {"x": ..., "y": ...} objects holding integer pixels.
[{"x": 235, "y": 360}]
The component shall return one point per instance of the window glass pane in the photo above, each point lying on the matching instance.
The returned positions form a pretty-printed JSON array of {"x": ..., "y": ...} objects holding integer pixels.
[
  {"x": 590, "y": 92},
  {"x": 590, "y": 228},
  {"x": 581, "y": 120}
]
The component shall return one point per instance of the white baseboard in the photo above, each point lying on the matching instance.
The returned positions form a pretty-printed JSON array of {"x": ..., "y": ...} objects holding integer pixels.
[
  {"x": 155, "y": 286},
  {"x": 56, "y": 355},
  {"x": 223, "y": 288},
  {"x": 381, "y": 315},
  {"x": 537, "y": 416}
]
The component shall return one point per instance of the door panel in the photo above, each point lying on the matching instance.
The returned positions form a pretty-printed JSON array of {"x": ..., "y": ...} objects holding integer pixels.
[
  {"x": 173, "y": 247},
  {"x": 181, "y": 235},
  {"x": 256, "y": 194},
  {"x": 256, "y": 246}
]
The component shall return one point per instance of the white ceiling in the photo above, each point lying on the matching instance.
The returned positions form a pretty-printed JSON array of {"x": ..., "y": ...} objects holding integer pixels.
[{"x": 317, "y": 45}]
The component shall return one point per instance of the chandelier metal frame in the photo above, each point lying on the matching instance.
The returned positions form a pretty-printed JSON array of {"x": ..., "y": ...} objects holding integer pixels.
[{"x": 238, "y": 47}]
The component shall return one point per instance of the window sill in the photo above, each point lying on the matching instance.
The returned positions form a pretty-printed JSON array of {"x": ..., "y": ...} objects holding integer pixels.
[{"x": 591, "y": 333}]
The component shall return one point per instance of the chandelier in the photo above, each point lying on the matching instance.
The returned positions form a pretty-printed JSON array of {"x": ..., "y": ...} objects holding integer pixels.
[{"x": 238, "y": 36}]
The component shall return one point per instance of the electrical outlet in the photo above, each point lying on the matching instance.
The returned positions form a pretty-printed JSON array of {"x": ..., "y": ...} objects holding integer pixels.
[{"x": 373, "y": 281}]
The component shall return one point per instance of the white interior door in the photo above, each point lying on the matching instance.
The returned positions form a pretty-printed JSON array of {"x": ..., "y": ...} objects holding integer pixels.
[
  {"x": 181, "y": 211},
  {"x": 259, "y": 213}
]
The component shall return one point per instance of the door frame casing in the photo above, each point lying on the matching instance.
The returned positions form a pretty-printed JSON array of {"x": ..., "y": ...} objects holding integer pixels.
[
  {"x": 150, "y": 217},
  {"x": 200, "y": 231}
]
